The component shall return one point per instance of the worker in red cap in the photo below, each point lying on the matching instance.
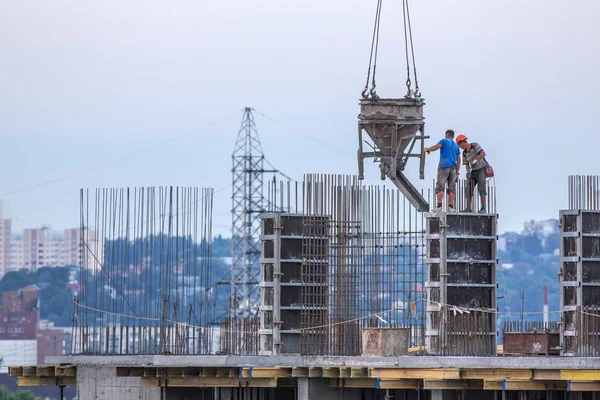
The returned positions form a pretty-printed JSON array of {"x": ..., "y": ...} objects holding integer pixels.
[
  {"x": 473, "y": 157},
  {"x": 448, "y": 168}
]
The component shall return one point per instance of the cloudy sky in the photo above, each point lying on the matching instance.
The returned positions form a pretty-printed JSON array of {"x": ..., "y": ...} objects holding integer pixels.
[{"x": 87, "y": 87}]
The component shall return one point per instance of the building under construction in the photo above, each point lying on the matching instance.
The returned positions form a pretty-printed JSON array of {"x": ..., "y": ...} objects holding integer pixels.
[{"x": 338, "y": 290}]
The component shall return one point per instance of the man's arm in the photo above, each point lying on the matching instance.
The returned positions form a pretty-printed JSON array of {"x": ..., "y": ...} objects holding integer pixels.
[
  {"x": 433, "y": 148},
  {"x": 480, "y": 153}
]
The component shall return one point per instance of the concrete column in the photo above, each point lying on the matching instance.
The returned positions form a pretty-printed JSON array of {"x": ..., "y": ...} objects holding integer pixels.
[
  {"x": 318, "y": 389},
  {"x": 101, "y": 382},
  {"x": 443, "y": 395}
]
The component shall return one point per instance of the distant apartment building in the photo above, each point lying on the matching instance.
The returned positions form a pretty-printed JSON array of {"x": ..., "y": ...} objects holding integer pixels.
[
  {"x": 24, "y": 339},
  {"x": 5, "y": 239},
  {"x": 43, "y": 247}
]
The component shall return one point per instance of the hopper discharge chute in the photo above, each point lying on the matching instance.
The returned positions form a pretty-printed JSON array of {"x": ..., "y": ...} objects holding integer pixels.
[{"x": 395, "y": 126}]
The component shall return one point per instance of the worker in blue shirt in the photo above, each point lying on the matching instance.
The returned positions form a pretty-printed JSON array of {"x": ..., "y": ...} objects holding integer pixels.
[{"x": 447, "y": 169}]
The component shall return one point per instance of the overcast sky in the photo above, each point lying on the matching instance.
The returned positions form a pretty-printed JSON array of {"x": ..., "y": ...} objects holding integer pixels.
[{"x": 85, "y": 83}]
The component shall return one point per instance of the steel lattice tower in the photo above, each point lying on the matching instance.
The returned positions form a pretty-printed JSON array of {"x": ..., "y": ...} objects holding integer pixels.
[{"x": 248, "y": 203}]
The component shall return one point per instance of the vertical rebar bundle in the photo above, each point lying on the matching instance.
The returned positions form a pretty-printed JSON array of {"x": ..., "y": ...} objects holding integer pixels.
[
  {"x": 362, "y": 261},
  {"x": 584, "y": 192},
  {"x": 147, "y": 287},
  {"x": 579, "y": 276}
]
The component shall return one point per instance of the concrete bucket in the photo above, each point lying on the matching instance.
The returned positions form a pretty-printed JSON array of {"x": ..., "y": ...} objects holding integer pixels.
[{"x": 395, "y": 126}]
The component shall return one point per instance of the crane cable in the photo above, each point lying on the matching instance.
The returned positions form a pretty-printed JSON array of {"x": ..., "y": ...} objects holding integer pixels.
[
  {"x": 374, "y": 51},
  {"x": 406, "y": 15},
  {"x": 408, "y": 40}
]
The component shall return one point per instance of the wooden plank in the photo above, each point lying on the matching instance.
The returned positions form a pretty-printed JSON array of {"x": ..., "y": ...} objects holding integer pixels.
[
  {"x": 300, "y": 372},
  {"x": 28, "y": 381},
  {"x": 580, "y": 375},
  {"x": 315, "y": 372},
  {"x": 546, "y": 374},
  {"x": 45, "y": 371},
  {"x": 372, "y": 383},
  {"x": 15, "y": 371},
  {"x": 366, "y": 383},
  {"x": 359, "y": 372},
  {"x": 452, "y": 384},
  {"x": 399, "y": 384},
  {"x": 174, "y": 371},
  {"x": 192, "y": 371},
  {"x": 525, "y": 385},
  {"x": 345, "y": 372},
  {"x": 496, "y": 374},
  {"x": 65, "y": 370},
  {"x": 196, "y": 381},
  {"x": 588, "y": 386},
  {"x": 417, "y": 373},
  {"x": 331, "y": 372},
  {"x": 275, "y": 372}
]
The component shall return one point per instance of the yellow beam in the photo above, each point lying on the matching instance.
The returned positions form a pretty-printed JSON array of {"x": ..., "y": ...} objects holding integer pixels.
[
  {"x": 193, "y": 381},
  {"x": 331, "y": 372},
  {"x": 45, "y": 371},
  {"x": 585, "y": 386},
  {"x": 345, "y": 372},
  {"x": 300, "y": 372},
  {"x": 65, "y": 370},
  {"x": 399, "y": 384},
  {"x": 496, "y": 374},
  {"x": 45, "y": 381},
  {"x": 418, "y": 373},
  {"x": 192, "y": 371},
  {"x": 363, "y": 383},
  {"x": 371, "y": 383},
  {"x": 359, "y": 372},
  {"x": 580, "y": 375},
  {"x": 546, "y": 374},
  {"x": 525, "y": 385},
  {"x": 275, "y": 372},
  {"x": 452, "y": 384}
]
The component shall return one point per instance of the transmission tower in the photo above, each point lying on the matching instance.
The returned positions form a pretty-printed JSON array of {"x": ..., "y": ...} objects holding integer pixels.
[{"x": 248, "y": 202}]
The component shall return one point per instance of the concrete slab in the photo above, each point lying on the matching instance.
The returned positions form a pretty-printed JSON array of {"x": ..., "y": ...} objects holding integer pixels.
[{"x": 539, "y": 362}]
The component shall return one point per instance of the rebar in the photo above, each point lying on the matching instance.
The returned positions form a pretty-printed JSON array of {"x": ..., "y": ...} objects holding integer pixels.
[{"x": 146, "y": 284}]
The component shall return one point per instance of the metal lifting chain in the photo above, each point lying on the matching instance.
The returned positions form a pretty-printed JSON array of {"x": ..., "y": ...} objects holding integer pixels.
[
  {"x": 408, "y": 40},
  {"x": 408, "y": 37},
  {"x": 373, "y": 57}
]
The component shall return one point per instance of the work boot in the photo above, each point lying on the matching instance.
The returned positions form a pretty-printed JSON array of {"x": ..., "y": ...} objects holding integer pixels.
[
  {"x": 482, "y": 210},
  {"x": 451, "y": 209},
  {"x": 436, "y": 209},
  {"x": 467, "y": 210}
]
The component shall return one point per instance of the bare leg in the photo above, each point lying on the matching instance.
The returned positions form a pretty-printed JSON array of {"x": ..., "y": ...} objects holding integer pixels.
[
  {"x": 440, "y": 195},
  {"x": 483, "y": 201},
  {"x": 451, "y": 199}
]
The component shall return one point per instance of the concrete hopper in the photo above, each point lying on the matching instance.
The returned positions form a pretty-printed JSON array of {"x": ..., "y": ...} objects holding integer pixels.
[{"x": 395, "y": 126}]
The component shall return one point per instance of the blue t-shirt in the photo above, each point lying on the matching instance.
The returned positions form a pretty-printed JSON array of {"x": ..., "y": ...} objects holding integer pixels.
[{"x": 448, "y": 153}]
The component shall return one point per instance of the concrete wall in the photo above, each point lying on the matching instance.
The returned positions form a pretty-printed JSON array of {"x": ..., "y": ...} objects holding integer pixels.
[{"x": 99, "y": 383}]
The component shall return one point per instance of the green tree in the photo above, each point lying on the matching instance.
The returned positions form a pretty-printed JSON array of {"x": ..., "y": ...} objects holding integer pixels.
[{"x": 20, "y": 395}]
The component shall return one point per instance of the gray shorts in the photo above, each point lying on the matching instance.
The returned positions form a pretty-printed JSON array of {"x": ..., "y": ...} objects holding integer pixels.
[
  {"x": 446, "y": 175},
  {"x": 478, "y": 178}
]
